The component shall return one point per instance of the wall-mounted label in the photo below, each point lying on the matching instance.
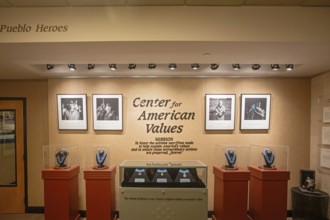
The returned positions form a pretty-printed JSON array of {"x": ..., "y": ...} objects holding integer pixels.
[
  {"x": 41, "y": 28},
  {"x": 168, "y": 147}
]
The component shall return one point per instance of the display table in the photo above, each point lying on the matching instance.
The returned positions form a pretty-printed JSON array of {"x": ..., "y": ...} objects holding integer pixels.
[
  {"x": 309, "y": 206},
  {"x": 61, "y": 193},
  {"x": 160, "y": 190},
  {"x": 100, "y": 194},
  {"x": 230, "y": 194},
  {"x": 268, "y": 194}
]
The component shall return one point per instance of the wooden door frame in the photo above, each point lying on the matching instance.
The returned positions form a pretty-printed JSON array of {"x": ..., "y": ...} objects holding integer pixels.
[{"x": 23, "y": 99}]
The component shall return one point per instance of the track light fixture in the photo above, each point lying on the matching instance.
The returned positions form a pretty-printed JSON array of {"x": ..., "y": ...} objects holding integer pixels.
[
  {"x": 289, "y": 67},
  {"x": 214, "y": 66},
  {"x": 50, "y": 66},
  {"x": 113, "y": 66},
  {"x": 172, "y": 66},
  {"x": 72, "y": 67},
  {"x": 255, "y": 66},
  {"x": 275, "y": 66},
  {"x": 152, "y": 66},
  {"x": 131, "y": 66},
  {"x": 236, "y": 66},
  {"x": 195, "y": 66},
  {"x": 90, "y": 66}
]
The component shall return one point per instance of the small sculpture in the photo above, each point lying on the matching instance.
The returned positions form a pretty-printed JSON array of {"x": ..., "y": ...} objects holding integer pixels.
[
  {"x": 269, "y": 158},
  {"x": 101, "y": 155},
  {"x": 61, "y": 156},
  {"x": 231, "y": 159},
  {"x": 309, "y": 184}
]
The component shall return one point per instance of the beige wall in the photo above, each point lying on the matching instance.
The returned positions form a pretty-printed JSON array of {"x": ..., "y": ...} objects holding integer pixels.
[
  {"x": 290, "y": 124},
  {"x": 35, "y": 92},
  {"x": 195, "y": 23},
  {"x": 320, "y": 93}
]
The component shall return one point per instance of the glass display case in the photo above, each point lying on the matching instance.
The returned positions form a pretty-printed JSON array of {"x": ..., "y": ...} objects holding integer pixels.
[
  {"x": 232, "y": 157},
  {"x": 269, "y": 157},
  {"x": 59, "y": 156},
  {"x": 173, "y": 190},
  {"x": 97, "y": 157},
  {"x": 175, "y": 174}
]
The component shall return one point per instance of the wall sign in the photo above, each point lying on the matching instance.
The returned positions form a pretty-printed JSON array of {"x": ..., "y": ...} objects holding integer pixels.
[
  {"x": 25, "y": 28},
  {"x": 162, "y": 116}
]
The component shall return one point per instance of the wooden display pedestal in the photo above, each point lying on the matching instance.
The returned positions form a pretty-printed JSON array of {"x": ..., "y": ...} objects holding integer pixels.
[
  {"x": 100, "y": 194},
  {"x": 61, "y": 193},
  {"x": 230, "y": 194},
  {"x": 268, "y": 194}
]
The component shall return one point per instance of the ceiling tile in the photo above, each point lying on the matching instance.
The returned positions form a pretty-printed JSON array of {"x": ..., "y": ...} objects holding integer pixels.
[
  {"x": 33, "y": 3},
  {"x": 316, "y": 3},
  {"x": 155, "y": 2},
  {"x": 274, "y": 2},
  {"x": 96, "y": 2},
  {"x": 215, "y": 2}
]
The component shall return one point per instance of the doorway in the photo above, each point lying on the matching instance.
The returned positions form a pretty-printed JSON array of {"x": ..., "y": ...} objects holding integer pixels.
[{"x": 12, "y": 155}]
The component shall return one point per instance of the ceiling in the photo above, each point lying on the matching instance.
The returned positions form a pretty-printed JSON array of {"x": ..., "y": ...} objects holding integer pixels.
[
  {"x": 18, "y": 62},
  {"x": 64, "y": 3}
]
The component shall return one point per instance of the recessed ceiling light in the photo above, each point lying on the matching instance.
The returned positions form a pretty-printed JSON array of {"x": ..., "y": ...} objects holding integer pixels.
[
  {"x": 289, "y": 67},
  {"x": 50, "y": 66},
  {"x": 113, "y": 66},
  {"x": 275, "y": 66},
  {"x": 90, "y": 66},
  {"x": 255, "y": 66},
  {"x": 236, "y": 66},
  {"x": 72, "y": 67},
  {"x": 214, "y": 66},
  {"x": 195, "y": 66},
  {"x": 152, "y": 66},
  {"x": 172, "y": 66},
  {"x": 131, "y": 66}
]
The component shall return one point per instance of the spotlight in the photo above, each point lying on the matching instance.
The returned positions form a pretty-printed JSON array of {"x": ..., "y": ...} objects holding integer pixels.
[
  {"x": 255, "y": 66},
  {"x": 195, "y": 66},
  {"x": 72, "y": 67},
  {"x": 289, "y": 67},
  {"x": 113, "y": 66},
  {"x": 236, "y": 66},
  {"x": 214, "y": 66},
  {"x": 275, "y": 66},
  {"x": 131, "y": 66},
  {"x": 172, "y": 66},
  {"x": 50, "y": 66},
  {"x": 90, "y": 66},
  {"x": 152, "y": 66}
]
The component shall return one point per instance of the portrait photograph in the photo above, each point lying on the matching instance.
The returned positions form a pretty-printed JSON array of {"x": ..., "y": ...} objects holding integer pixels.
[
  {"x": 220, "y": 112},
  {"x": 72, "y": 112},
  {"x": 107, "y": 112},
  {"x": 255, "y": 111}
]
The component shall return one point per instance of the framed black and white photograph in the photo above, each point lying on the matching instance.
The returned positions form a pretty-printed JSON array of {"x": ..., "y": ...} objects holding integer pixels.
[
  {"x": 72, "y": 112},
  {"x": 108, "y": 112},
  {"x": 220, "y": 111},
  {"x": 255, "y": 111}
]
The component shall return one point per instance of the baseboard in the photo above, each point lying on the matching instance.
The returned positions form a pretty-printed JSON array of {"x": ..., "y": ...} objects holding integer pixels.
[
  {"x": 40, "y": 209},
  {"x": 34, "y": 209}
]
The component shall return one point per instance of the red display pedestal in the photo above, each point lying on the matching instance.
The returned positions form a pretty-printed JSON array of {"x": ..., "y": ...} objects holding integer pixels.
[
  {"x": 100, "y": 194},
  {"x": 230, "y": 194},
  {"x": 268, "y": 194},
  {"x": 61, "y": 193}
]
